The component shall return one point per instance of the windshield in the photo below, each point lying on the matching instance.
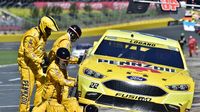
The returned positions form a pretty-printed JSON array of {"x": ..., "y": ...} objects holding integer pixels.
[{"x": 138, "y": 52}]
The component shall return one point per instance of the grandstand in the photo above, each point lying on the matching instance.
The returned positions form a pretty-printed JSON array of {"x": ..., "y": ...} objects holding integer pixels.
[
  {"x": 29, "y": 3},
  {"x": 20, "y": 15},
  {"x": 9, "y": 22},
  {"x": 16, "y": 3}
]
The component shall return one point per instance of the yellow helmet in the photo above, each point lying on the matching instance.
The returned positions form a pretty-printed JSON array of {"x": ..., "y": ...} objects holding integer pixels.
[{"x": 46, "y": 24}]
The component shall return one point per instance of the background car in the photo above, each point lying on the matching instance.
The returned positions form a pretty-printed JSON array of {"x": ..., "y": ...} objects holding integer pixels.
[
  {"x": 136, "y": 72},
  {"x": 80, "y": 49}
]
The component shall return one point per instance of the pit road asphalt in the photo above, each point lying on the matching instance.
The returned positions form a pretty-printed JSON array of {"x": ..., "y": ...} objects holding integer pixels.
[{"x": 10, "y": 78}]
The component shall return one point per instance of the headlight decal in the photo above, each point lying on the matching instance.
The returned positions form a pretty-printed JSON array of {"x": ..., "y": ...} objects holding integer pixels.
[
  {"x": 179, "y": 87},
  {"x": 173, "y": 108},
  {"x": 92, "y": 73},
  {"x": 92, "y": 95}
]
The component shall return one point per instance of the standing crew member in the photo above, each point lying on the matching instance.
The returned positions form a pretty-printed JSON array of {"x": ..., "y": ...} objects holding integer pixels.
[
  {"x": 193, "y": 46},
  {"x": 30, "y": 56},
  {"x": 57, "y": 78},
  {"x": 73, "y": 33},
  {"x": 182, "y": 41}
]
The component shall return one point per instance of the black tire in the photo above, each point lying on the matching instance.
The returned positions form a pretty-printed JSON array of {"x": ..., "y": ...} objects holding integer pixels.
[{"x": 90, "y": 108}]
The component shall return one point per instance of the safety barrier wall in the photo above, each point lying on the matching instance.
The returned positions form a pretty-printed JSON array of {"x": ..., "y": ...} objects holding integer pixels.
[
  {"x": 80, "y": 5},
  {"x": 89, "y": 32}
]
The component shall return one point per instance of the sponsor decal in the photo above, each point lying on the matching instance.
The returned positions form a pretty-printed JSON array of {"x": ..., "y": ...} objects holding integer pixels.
[
  {"x": 31, "y": 41},
  {"x": 133, "y": 97},
  {"x": 24, "y": 91},
  {"x": 138, "y": 66},
  {"x": 140, "y": 69},
  {"x": 79, "y": 93},
  {"x": 169, "y": 5},
  {"x": 94, "y": 85},
  {"x": 189, "y": 26},
  {"x": 144, "y": 43},
  {"x": 136, "y": 78}
]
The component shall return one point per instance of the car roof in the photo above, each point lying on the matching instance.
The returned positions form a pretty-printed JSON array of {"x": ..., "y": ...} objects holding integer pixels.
[{"x": 142, "y": 37}]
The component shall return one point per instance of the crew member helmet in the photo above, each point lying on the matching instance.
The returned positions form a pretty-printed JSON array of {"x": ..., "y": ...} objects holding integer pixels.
[
  {"x": 46, "y": 25},
  {"x": 74, "y": 32},
  {"x": 62, "y": 57}
]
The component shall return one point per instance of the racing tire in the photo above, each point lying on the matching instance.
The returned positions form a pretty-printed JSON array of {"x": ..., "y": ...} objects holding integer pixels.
[{"x": 90, "y": 108}]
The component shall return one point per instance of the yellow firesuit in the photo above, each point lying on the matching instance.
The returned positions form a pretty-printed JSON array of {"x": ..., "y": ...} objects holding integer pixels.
[
  {"x": 57, "y": 83},
  {"x": 63, "y": 41},
  {"x": 30, "y": 55}
]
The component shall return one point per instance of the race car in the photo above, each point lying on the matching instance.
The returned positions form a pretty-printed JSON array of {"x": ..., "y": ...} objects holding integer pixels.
[{"x": 134, "y": 71}]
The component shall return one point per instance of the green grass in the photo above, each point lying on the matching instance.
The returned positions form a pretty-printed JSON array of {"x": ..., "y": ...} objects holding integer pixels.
[
  {"x": 8, "y": 57},
  {"x": 22, "y": 12}
]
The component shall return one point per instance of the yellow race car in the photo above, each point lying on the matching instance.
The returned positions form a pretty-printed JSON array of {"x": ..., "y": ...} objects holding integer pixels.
[{"x": 135, "y": 71}]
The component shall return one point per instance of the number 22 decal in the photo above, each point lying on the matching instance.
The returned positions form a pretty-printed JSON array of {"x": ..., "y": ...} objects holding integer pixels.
[{"x": 94, "y": 85}]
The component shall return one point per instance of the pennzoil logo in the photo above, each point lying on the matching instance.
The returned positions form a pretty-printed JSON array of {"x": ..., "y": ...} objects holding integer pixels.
[
  {"x": 133, "y": 97},
  {"x": 138, "y": 66}
]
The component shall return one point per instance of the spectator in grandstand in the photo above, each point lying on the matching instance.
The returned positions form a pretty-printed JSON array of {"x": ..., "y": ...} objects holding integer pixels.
[
  {"x": 73, "y": 33},
  {"x": 6, "y": 20},
  {"x": 8, "y": 23},
  {"x": 30, "y": 57},
  {"x": 2, "y": 19}
]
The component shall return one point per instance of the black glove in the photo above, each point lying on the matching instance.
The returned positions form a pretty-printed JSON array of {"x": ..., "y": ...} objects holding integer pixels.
[
  {"x": 45, "y": 63},
  {"x": 80, "y": 59}
]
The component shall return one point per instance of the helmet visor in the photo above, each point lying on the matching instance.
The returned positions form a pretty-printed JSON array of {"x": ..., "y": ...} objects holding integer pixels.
[
  {"x": 73, "y": 36},
  {"x": 48, "y": 31},
  {"x": 63, "y": 63}
]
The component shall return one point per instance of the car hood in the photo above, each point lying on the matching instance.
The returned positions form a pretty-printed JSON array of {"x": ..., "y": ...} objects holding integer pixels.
[{"x": 140, "y": 71}]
